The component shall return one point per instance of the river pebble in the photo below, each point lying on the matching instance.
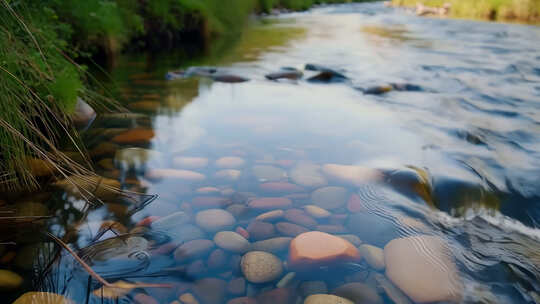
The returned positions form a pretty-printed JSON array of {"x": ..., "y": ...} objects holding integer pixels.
[
  {"x": 308, "y": 175},
  {"x": 208, "y": 202},
  {"x": 213, "y": 220},
  {"x": 271, "y": 216},
  {"x": 289, "y": 229},
  {"x": 308, "y": 288},
  {"x": 261, "y": 267},
  {"x": 359, "y": 293},
  {"x": 317, "y": 212},
  {"x": 230, "y": 162},
  {"x": 352, "y": 175},
  {"x": 300, "y": 217},
  {"x": 329, "y": 197},
  {"x": 280, "y": 188},
  {"x": 427, "y": 257},
  {"x": 210, "y": 290},
  {"x": 231, "y": 241},
  {"x": 270, "y": 203},
  {"x": 228, "y": 175},
  {"x": 265, "y": 173},
  {"x": 193, "y": 249},
  {"x": 273, "y": 245},
  {"x": 374, "y": 256},
  {"x": 259, "y": 230},
  {"x": 242, "y": 300},
  {"x": 237, "y": 286},
  {"x": 217, "y": 259},
  {"x": 326, "y": 299}
]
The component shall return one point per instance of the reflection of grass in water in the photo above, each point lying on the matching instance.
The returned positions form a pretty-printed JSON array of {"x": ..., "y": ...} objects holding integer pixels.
[
  {"x": 522, "y": 10},
  {"x": 379, "y": 35}
]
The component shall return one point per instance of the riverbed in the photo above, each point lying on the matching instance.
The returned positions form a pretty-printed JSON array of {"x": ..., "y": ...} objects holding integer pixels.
[{"x": 435, "y": 178}]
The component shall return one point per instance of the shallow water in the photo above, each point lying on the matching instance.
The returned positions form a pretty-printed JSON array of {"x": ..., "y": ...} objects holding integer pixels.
[{"x": 459, "y": 159}]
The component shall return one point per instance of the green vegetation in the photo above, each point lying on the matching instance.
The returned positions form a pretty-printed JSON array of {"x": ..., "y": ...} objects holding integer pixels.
[{"x": 500, "y": 10}]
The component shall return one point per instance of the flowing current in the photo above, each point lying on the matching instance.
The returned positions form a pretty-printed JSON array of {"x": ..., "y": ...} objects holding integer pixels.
[{"x": 455, "y": 156}]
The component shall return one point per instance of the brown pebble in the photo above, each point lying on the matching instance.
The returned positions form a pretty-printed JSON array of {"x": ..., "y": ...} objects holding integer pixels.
[
  {"x": 288, "y": 229},
  {"x": 300, "y": 217}
]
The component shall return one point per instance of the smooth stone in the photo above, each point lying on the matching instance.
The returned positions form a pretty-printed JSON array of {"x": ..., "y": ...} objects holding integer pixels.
[
  {"x": 265, "y": 173},
  {"x": 372, "y": 228},
  {"x": 231, "y": 241},
  {"x": 186, "y": 233},
  {"x": 208, "y": 190},
  {"x": 9, "y": 279},
  {"x": 103, "y": 188},
  {"x": 273, "y": 245},
  {"x": 377, "y": 90},
  {"x": 286, "y": 280},
  {"x": 327, "y": 77},
  {"x": 238, "y": 210},
  {"x": 193, "y": 249},
  {"x": 308, "y": 288},
  {"x": 188, "y": 298},
  {"x": 270, "y": 203},
  {"x": 355, "y": 204},
  {"x": 210, "y": 290},
  {"x": 213, "y": 220},
  {"x": 170, "y": 221},
  {"x": 412, "y": 182},
  {"x": 142, "y": 298},
  {"x": 332, "y": 229},
  {"x": 352, "y": 175},
  {"x": 134, "y": 136},
  {"x": 36, "y": 297},
  {"x": 306, "y": 252},
  {"x": 326, "y": 299},
  {"x": 329, "y": 197},
  {"x": 374, "y": 256},
  {"x": 186, "y": 162},
  {"x": 196, "y": 269},
  {"x": 271, "y": 216},
  {"x": 422, "y": 267},
  {"x": 317, "y": 212},
  {"x": 396, "y": 295},
  {"x": 217, "y": 259},
  {"x": 175, "y": 174},
  {"x": 291, "y": 75},
  {"x": 229, "y": 78},
  {"x": 280, "y": 188},
  {"x": 243, "y": 232},
  {"x": 207, "y": 202},
  {"x": 259, "y": 230},
  {"x": 242, "y": 300},
  {"x": 289, "y": 229},
  {"x": 308, "y": 175},
  {"x": 299, "y": 217},
  {"x": 359, "y": 293},
  {"x": 83, "y": 115},
  {"x": 230, "y": 162},
  {"x": 230, "y": 175},
  {"x": 261, "y": 267},
  {"x": 277, "y": 295},
  {"x": 237, "y": 286},
  {"x": 353, "y": 239}
]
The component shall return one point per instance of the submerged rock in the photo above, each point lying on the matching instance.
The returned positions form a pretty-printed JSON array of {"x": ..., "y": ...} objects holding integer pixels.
[
  {"x": 329, "y": 197},
  {"x": 227, "y": 78},
  {"x": 210, "y": 290},
  {"x": 230, "y": 162},
  {"x": 326, "y": 299},
  {"x": 359, "y": 293},
  {"x": 193, "y": 249},
  {"x": 307, "y": 253},
  {"x": 270, "y": 203},
  {"x": 308, "y": 175},
  {"x": 374, "y": 256},
  {"x": 265, "y": 173},
  {"x": 261, "y": 267},
  {"x": 285, "y": 74},
  {"x": 273, "y": 245},
  {"x": 34, "y": 297},
  {"x": 352, "y": 175},
  {"x": 213, "y": 220},
  {"x": 422, "y": 267},
  {"x": 231, "y": 241}
]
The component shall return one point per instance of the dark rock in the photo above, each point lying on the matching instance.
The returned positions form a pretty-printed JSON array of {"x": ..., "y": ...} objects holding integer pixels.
[
  {"x": 278, "y": 295},
  {"x": 259, "y": 230},
  {"x": 300, "y": 217},
  {"x": 359, "y": 293},
  {"x": 196, "y": 269},
  {"x": 193, "y": 249},
  {"x": 327, "y": 77},
  {"x": 210, "y": 290},
  {"x": 237, "y": 286},
  {"x": 229, "y": 78},
  {"x": 292, "y": 75},
  {"x": 242, "y": 300},
  {"x": 372, "y": 229},
  {"x": 377, "y": 90},
  {"x": 320, "y": 68}
]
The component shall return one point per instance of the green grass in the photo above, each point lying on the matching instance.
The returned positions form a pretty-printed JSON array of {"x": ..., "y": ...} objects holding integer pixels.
[{"x": 500, "y": 10}]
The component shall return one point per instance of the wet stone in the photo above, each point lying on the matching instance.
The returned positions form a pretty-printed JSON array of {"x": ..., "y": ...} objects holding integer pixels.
[
  {"x": 230, "y": 162},
  {"x": 170, "y": 221},
  {"x": 359, "y": 293},
  {"x": 329, "y": 197},
  {"x": 288, "y": 229},
  {"x": 217, "y": 259},
  {"x": 396, "y": 295},
  {"x": 265, "y": 173},
  {"x": 312, "y": 287},
  {"x": 261, "y": 267},
  {"x": 352, "y": 175},
  {"x": 355, "y": 204},
  {"x": 242, "y": 300},
  {"x": 207, "y": 202},
  {"x": 306, "y": 252},
  {"x": 270, "y": 203},
  {"x": 259, "y": 230},
  {"x": 286, "y": 280},
  {"x": 193, "y": 249},
  {"x": 229, "y": 175},
  {"x": 374, "y": 256},
  {"x": 196, "y": 269},
  {"x": 237, "y": 287},
  {"x": 231, "y": 241},
  {"x": 271, "y": 216},
  {"x": 186, "y": 233},
  {"x": 372, "y": 228},
  {"x": 299, "y": 217},
  {"x": 308, "y": 175},
  {"x": 273, "y": 245},
  {"x": 317, "y": 212},
  {"x": 427, "y": 257},
  {"x": 243, "y": 232},
  {"x": 9, "y": 279},
  {"x": 213, "y": 220},
  {"x": 278, "y": 295},
  {"x": 210, "y": 290},
  {"x": 326, "y": 299},
  {"x": 142, "y": 298}
]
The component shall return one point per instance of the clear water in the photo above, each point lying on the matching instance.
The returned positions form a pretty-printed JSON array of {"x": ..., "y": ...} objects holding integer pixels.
[{"x": 461, "y": 157}]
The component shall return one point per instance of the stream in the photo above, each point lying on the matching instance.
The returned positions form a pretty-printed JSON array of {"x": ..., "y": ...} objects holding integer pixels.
[{"x": 439, "y": 174}]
